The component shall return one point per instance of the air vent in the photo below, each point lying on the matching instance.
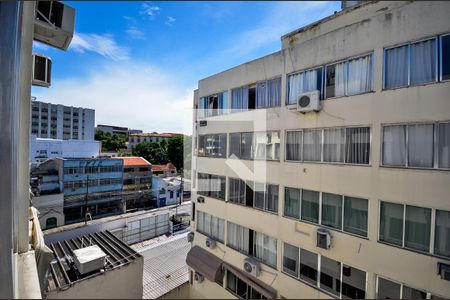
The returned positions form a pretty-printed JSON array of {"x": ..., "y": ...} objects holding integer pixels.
[
  {"x": 42, "y": 67},
  {"x": 323, "y": 238},
  {"x": 444, "y": 271}
]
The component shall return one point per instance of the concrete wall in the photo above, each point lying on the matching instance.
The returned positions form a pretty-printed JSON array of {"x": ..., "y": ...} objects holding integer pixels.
[
  {"x": 369, "y": 28},
  {"x": 120, "y": 283}
]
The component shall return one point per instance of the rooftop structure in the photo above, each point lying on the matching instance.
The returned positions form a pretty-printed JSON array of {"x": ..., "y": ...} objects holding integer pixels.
[
  {"x": 136, "y": 138},
  {"x": 164, "y": 170},
  {"x": 119, "y": 277}
]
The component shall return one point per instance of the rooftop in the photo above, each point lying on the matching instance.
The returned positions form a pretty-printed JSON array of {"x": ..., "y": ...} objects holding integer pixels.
[
  {"x": 167, "y": 134},
  {"x": 167, "y": 167},
  {"x": 129, "y": 161}
]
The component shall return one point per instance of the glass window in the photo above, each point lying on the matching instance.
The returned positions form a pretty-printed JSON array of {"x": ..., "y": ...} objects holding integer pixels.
[
  {"x": 237, "y": 237},
  {"x": 272, "y": 198},
  {"x": 420, "y": 145},
  {"x": 268, "y": 93},
  {"x": 330, "y": 275},
  {"x": 292, "y": 202},
  {"x": 359, "y": 75},
  {"x": 50, "y": 222},
  {"x": 310, "y": 206},
  {"x": 423, "y": 62},
  {"x": 312, "y": 144},
  {"x": 302, "y": 82},
  {"x": 239, "y": 99},
  {"x": 330, "y": 81},
  {"x": 442, "y": 233},
  {"x": 290, "y": 259},
  {"x": 332, "y": 210},
  {"x": 260, "y": 141},
  {"x": 236, "y": 191},
  {"x": 417, "y": 228},
  {"x": 396, "y": 67},
  {"x": 444, "y": 143},
  {"x": 333, "y": 147},
  {"x": 259, "y": 195},
  {"x": 265, "y": 248},
  {"x": 353, "y": 283},
  {"x": 410, "y": 293},
  {"x": 235, "y": 144},
  {"x": 308, "y": 266},
  {"x": 231, "y": 282},
  {"x": 391, "y": 223},
  {"x": 445, "y": 54},
  {"x": 394, "y": 145},
  {"x": 357, "y": 145},
  {"x": 247, "y": 145},
  {"x": 294, "y": 145},
  {"x": 355, "y": 215},
  {"x": 273, "y": 145},
  {"x": 388, "y": 289}
]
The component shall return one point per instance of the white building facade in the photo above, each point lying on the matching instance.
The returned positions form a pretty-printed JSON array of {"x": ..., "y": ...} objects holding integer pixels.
[{"x": 62, "y": 122}]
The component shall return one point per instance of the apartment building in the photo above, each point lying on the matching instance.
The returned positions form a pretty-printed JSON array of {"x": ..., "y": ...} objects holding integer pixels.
[
  {"x": 347, "y": 200},
  {"x": 61, "y": 122},
  {"x": 123, "y": 131},
  {"x": 136, "y": 138}
]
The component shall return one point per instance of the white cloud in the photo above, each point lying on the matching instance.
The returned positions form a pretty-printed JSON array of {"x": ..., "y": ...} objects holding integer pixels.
[
  {"x": 104, "y": 45},
  {"x": 170, "y": 21},
  {"x": 135, "y": 33},
  {"x": 128, "y": 94},
  {"x": 149, "y": 9}
]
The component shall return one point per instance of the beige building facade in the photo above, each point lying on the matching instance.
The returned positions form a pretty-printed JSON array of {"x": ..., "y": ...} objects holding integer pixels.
[{"x": 369, "y": 170}]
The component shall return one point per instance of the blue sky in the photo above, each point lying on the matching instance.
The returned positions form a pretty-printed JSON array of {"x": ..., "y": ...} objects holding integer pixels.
[{"x": 137, "y": 63}]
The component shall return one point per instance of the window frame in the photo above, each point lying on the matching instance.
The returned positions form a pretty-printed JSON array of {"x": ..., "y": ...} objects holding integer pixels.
[
  {"x": 409, "y": 43},
  {"x": 211, "y": 156},
  {"x": 253, "y": 158},
  {"x": 440, "y": 57},
  {"x": 322, "y": 85},
  {"x": 211, "y": 236},
  {"x": 203, "y": 111},
  {"x": 429, "y": 294},
  {"x": 436, "y": 144}
]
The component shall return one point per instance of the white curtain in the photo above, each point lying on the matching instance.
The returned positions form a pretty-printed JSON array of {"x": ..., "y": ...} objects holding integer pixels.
[
  {"x": 420, "y": 145},
  {"x": 396, "y": 67},
  {"x": 294, "y": 145},
  {"x": 261, "y": 95},
  {"x": 444, "y": 145},
  {"x": 200, "y": 221},
  {"x": 260, "y": 140},
  {"x": 340, "y": 77},
  {"x": 239, "y": 98},
  {"x": 394, "y": 145},
  {"x": 358, "y": 145},
  {"x": 302, "y": 82},
  {"x": 273, "y": 145},
  {"x": 274, "y": 92},
  {"x": 238, "y": 237},
  {"x": 423, "y": 62},
  {"x": 265, "y": 248},
  {"x": 359, "y": 75},
  {"x": 311, "y": 145},
  {"x": 333, "y": 148}
]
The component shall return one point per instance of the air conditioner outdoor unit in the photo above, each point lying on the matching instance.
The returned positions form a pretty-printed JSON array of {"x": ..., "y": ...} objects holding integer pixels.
[
  {"x": 444, "y": 271},
  {"x": 54, "y": 23},
  {"x": 198, "y": 277},
  {"x": 210, "y": 243},
  {"x": 42, "y": 67},
  {"x": 309, "y": 101},
  {"x": 200, "y": 199},
  {"x": 252, "y": 267},
  {"x": 323, "y": 238},
  {"x": 190, "y": 237},
  {"x": 89, "y": 259}
]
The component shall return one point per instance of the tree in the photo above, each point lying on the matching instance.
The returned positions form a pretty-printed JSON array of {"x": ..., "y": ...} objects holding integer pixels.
[
  {"x": 175, "y": 151},
  {"x": 110, "y": 142},
  {"x": 154, "y": 152}
]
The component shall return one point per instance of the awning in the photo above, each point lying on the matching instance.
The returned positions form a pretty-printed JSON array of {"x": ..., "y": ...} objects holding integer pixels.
[
  {"x": 258, "y": 285},
  {"x": 205, "y": 263}
]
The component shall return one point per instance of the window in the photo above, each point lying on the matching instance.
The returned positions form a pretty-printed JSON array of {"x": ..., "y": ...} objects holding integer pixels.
[
  {"x": 239, "y": 98},
  {"x": 391, "y": 223},
  {"x": 420, "y": 145},
  {"x": 236, "y": 191},
  {"x": 266, "y": 197},
  {"x": 357, "y": 145},
  {"x": 333, "y": 147},
  {"x": 211, "y": 226},
  {"x": 310, "y": 206},
  {"x": 331, "y": 205},
  {"x": 268, "y": 93},
  {"x": 410, "y": 64},
  {"x": 214, "y": 145},
  {"x": 294, "y": 145},
  {"x": 211, "y": 185},
  {"x": 214, "y": 105},
  {"x": 257, "y": 145},
  {"x": 394, "y": 145},
  {"x": 238, "y": 237},
  {"x": 302, "y": 82},
  {"x": 444, "y": 143},
  {"x": 445, "y": 57},
  {"x": 352, "y": 285},
  {"x": 355, "y": 215},
  {"x": 50, "y": 222},
  {"x": 312, "y": 144},
  {"x": 351, "y": 77},
  {"x": 388, "y": 289},
  {"x": 265, "y": 248},
  {"x": 240, "y": 288},
  {"x": 442, "y": 233}
]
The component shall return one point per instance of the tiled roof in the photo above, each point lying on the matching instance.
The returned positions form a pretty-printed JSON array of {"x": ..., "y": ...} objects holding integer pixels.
[
  {"x": 166, "y": 167},
  {"x": 129, "y": 161},
  {"x": 156, "y": 134},
  {"x": 165, "y": 266}
]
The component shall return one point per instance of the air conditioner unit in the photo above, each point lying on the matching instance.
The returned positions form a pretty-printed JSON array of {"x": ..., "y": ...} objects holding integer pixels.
[
  {"x": 252, "y": 267},
  {"x": 210, "y": 243},
  {"x": 323, "y": 238},
  {"x": 309, "y": 101},
  {"x": 190, "y": 237},
  {"x": 42, "y": 67},
  {"x": 198, "y": 277},
  {"x": 54, "y": 23},
  {"x": 201, "y": 199},
  {"x": 444, "y": 271}
]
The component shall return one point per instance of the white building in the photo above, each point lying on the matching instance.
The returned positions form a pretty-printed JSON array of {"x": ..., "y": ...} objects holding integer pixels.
[
  {"x": 62, "y": 122},
  {"x": 42, "y": 149},
  {"x": 166, "y": 190}
]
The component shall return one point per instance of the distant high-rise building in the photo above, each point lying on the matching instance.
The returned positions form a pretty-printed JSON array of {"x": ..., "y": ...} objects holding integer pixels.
[
  {"x": 118, "y": 130},
  {"x": 62, "y": 122}
]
